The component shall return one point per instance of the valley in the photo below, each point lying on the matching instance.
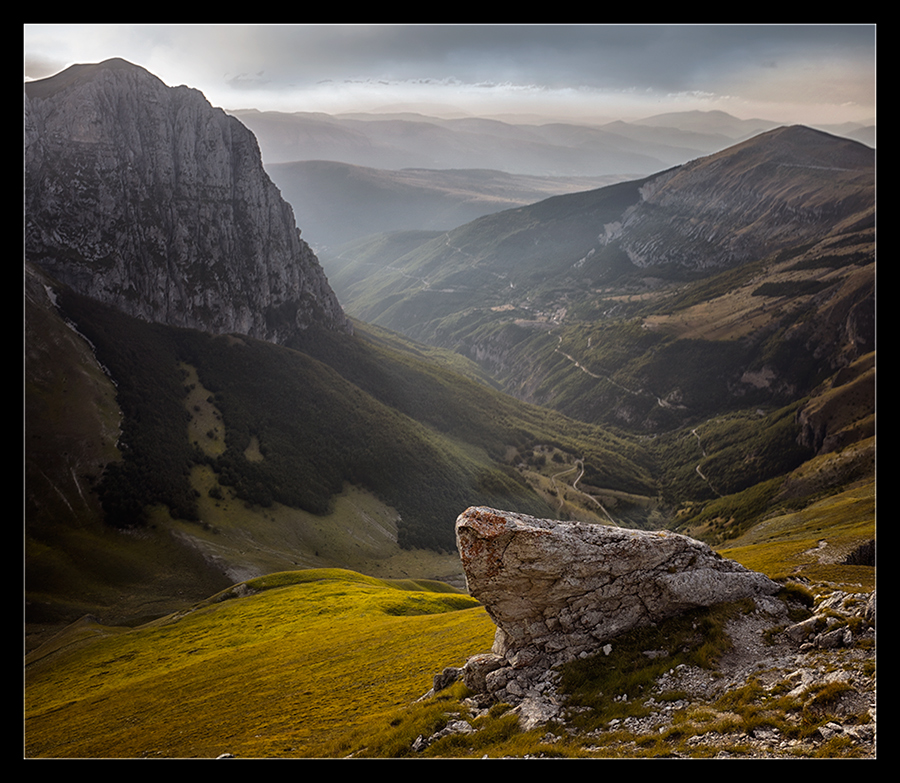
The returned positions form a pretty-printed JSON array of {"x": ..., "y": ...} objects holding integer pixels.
[{"x": 245, "y": 451}]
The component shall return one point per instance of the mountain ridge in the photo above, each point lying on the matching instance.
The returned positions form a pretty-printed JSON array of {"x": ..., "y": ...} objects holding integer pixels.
[{"x": 766, "y": 208}]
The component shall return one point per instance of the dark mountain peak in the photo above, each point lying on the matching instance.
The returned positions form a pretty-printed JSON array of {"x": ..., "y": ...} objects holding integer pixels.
[
  {"x": 148, "y": 198},
  {"x": 800, "y": 144},
  {"x": 83, "y": 73}
]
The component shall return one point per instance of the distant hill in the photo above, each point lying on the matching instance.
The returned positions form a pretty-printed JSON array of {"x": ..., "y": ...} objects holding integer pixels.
[
  {"x": 719, "y": 123},
  {"x": 554, "y": 150},
  {"x": 397, "y": 141}
]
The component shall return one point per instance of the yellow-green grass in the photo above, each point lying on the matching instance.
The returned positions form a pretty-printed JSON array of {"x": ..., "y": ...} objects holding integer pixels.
[
  {"x": 286, "y": 672},
  {"x": 813, "y": 543},
  {"x": 496, "y": 734},
  {"x": 206, "y": 428}
]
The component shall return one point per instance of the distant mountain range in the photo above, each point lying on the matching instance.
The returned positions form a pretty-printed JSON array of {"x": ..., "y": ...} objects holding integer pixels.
[
  {"x": 352, "y": 175},
  {"x": 555, "y": 149}
]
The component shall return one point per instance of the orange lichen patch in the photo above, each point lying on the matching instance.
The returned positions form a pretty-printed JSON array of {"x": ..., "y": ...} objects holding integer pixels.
[
  {"x": 477, "y": 532},
  {"x": 485, "y": 521}
]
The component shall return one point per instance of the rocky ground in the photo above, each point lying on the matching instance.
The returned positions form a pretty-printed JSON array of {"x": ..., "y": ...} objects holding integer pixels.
[
  {"x": 778, "y": 677},
  {"x": 625, "y": 643},
  {"x": 783, "y": 665}
]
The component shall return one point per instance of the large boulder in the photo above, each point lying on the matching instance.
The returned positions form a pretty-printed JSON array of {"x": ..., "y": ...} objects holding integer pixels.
[{"x": 558, "y": 590}]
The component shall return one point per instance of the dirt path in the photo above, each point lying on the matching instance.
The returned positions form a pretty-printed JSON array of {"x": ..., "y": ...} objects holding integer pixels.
[
  {"x": 579, "y": 466},
  {"x": 659, "y": 401}
]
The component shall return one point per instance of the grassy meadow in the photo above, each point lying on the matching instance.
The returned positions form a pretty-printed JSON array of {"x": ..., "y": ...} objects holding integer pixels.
[{"x": 291, "y": 670}]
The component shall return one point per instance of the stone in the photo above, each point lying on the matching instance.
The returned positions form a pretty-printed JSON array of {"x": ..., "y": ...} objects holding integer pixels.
[
  {"x": 802, "y": 631},
  {"x": 535, "y": 711},
  {"x": 477, "y": 668},
  {"x": 557, "y": 590},
  {"x": 446, "y": 678}
]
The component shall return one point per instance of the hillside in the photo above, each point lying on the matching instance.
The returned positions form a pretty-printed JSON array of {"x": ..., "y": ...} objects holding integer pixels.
[
  {"x": 612, "y": 305},
  {"x": 267, "y": 669},
  {"x": 218, "y": 458},
  {"x": 328, "y": 663}
]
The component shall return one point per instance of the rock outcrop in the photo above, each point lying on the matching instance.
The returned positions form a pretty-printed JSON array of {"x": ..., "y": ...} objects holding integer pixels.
[
  {"x": 146, "y": 197},
  {"x": 559, "y": 590}
]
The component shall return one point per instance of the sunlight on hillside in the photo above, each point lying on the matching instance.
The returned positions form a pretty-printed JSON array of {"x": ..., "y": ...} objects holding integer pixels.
[{"x": 274, "y": 674}]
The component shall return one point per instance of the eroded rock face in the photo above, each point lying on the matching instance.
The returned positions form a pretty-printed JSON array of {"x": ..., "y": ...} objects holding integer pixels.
[
  {"x": 147, "y": 198},
  {"x": 557, "y": 589}
]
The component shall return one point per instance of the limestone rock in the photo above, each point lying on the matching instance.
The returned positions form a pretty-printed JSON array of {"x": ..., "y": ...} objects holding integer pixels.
[
  {"x": 557, "y": 589},
  {"x": 147, "y": 198}
]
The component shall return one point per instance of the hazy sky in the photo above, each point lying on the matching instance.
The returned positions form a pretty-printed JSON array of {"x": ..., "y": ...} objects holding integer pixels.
[{"x": 785, "y": 73}]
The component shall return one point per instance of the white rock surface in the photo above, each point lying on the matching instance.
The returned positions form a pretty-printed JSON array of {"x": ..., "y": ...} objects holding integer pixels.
[{"x": 557, "y": 589}]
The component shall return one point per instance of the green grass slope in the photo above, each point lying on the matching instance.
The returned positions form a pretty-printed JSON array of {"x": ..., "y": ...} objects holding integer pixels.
[
  {"x": 282, "y": 666},
  {"x": 310, "y": 431},
  {"x": 328, "y": 663}
]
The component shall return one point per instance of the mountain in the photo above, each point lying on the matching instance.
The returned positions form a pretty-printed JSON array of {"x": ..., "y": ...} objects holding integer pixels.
[
  {"x": 199, "y": 409},
  {"x": 196, "y": 486},
  {"x": 535, "y": 147},
  {"x": 148, "y": 198},
  {"x": 719, "y": 123},
  {"x": 741, "y": 278},
  {"x": 785, "y": 187}
]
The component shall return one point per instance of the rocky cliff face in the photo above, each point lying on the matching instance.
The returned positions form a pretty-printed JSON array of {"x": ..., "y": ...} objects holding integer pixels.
[{"x": 148, "y": 198}]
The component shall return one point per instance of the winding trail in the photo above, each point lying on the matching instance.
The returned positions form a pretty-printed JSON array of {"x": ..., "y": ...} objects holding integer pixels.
[
  {"x": 579, "y": 465},
  {"x": 697, "y": 468},
  {"x": 699, "y": 442},
  {"x": 659, "y": 401}
]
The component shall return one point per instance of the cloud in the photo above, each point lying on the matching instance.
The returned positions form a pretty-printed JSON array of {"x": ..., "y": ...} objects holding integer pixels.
[{"x": 277, "y": 65}]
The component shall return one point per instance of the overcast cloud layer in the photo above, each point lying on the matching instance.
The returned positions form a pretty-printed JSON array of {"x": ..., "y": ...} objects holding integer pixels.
[{"x": 793, "y": 73}]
